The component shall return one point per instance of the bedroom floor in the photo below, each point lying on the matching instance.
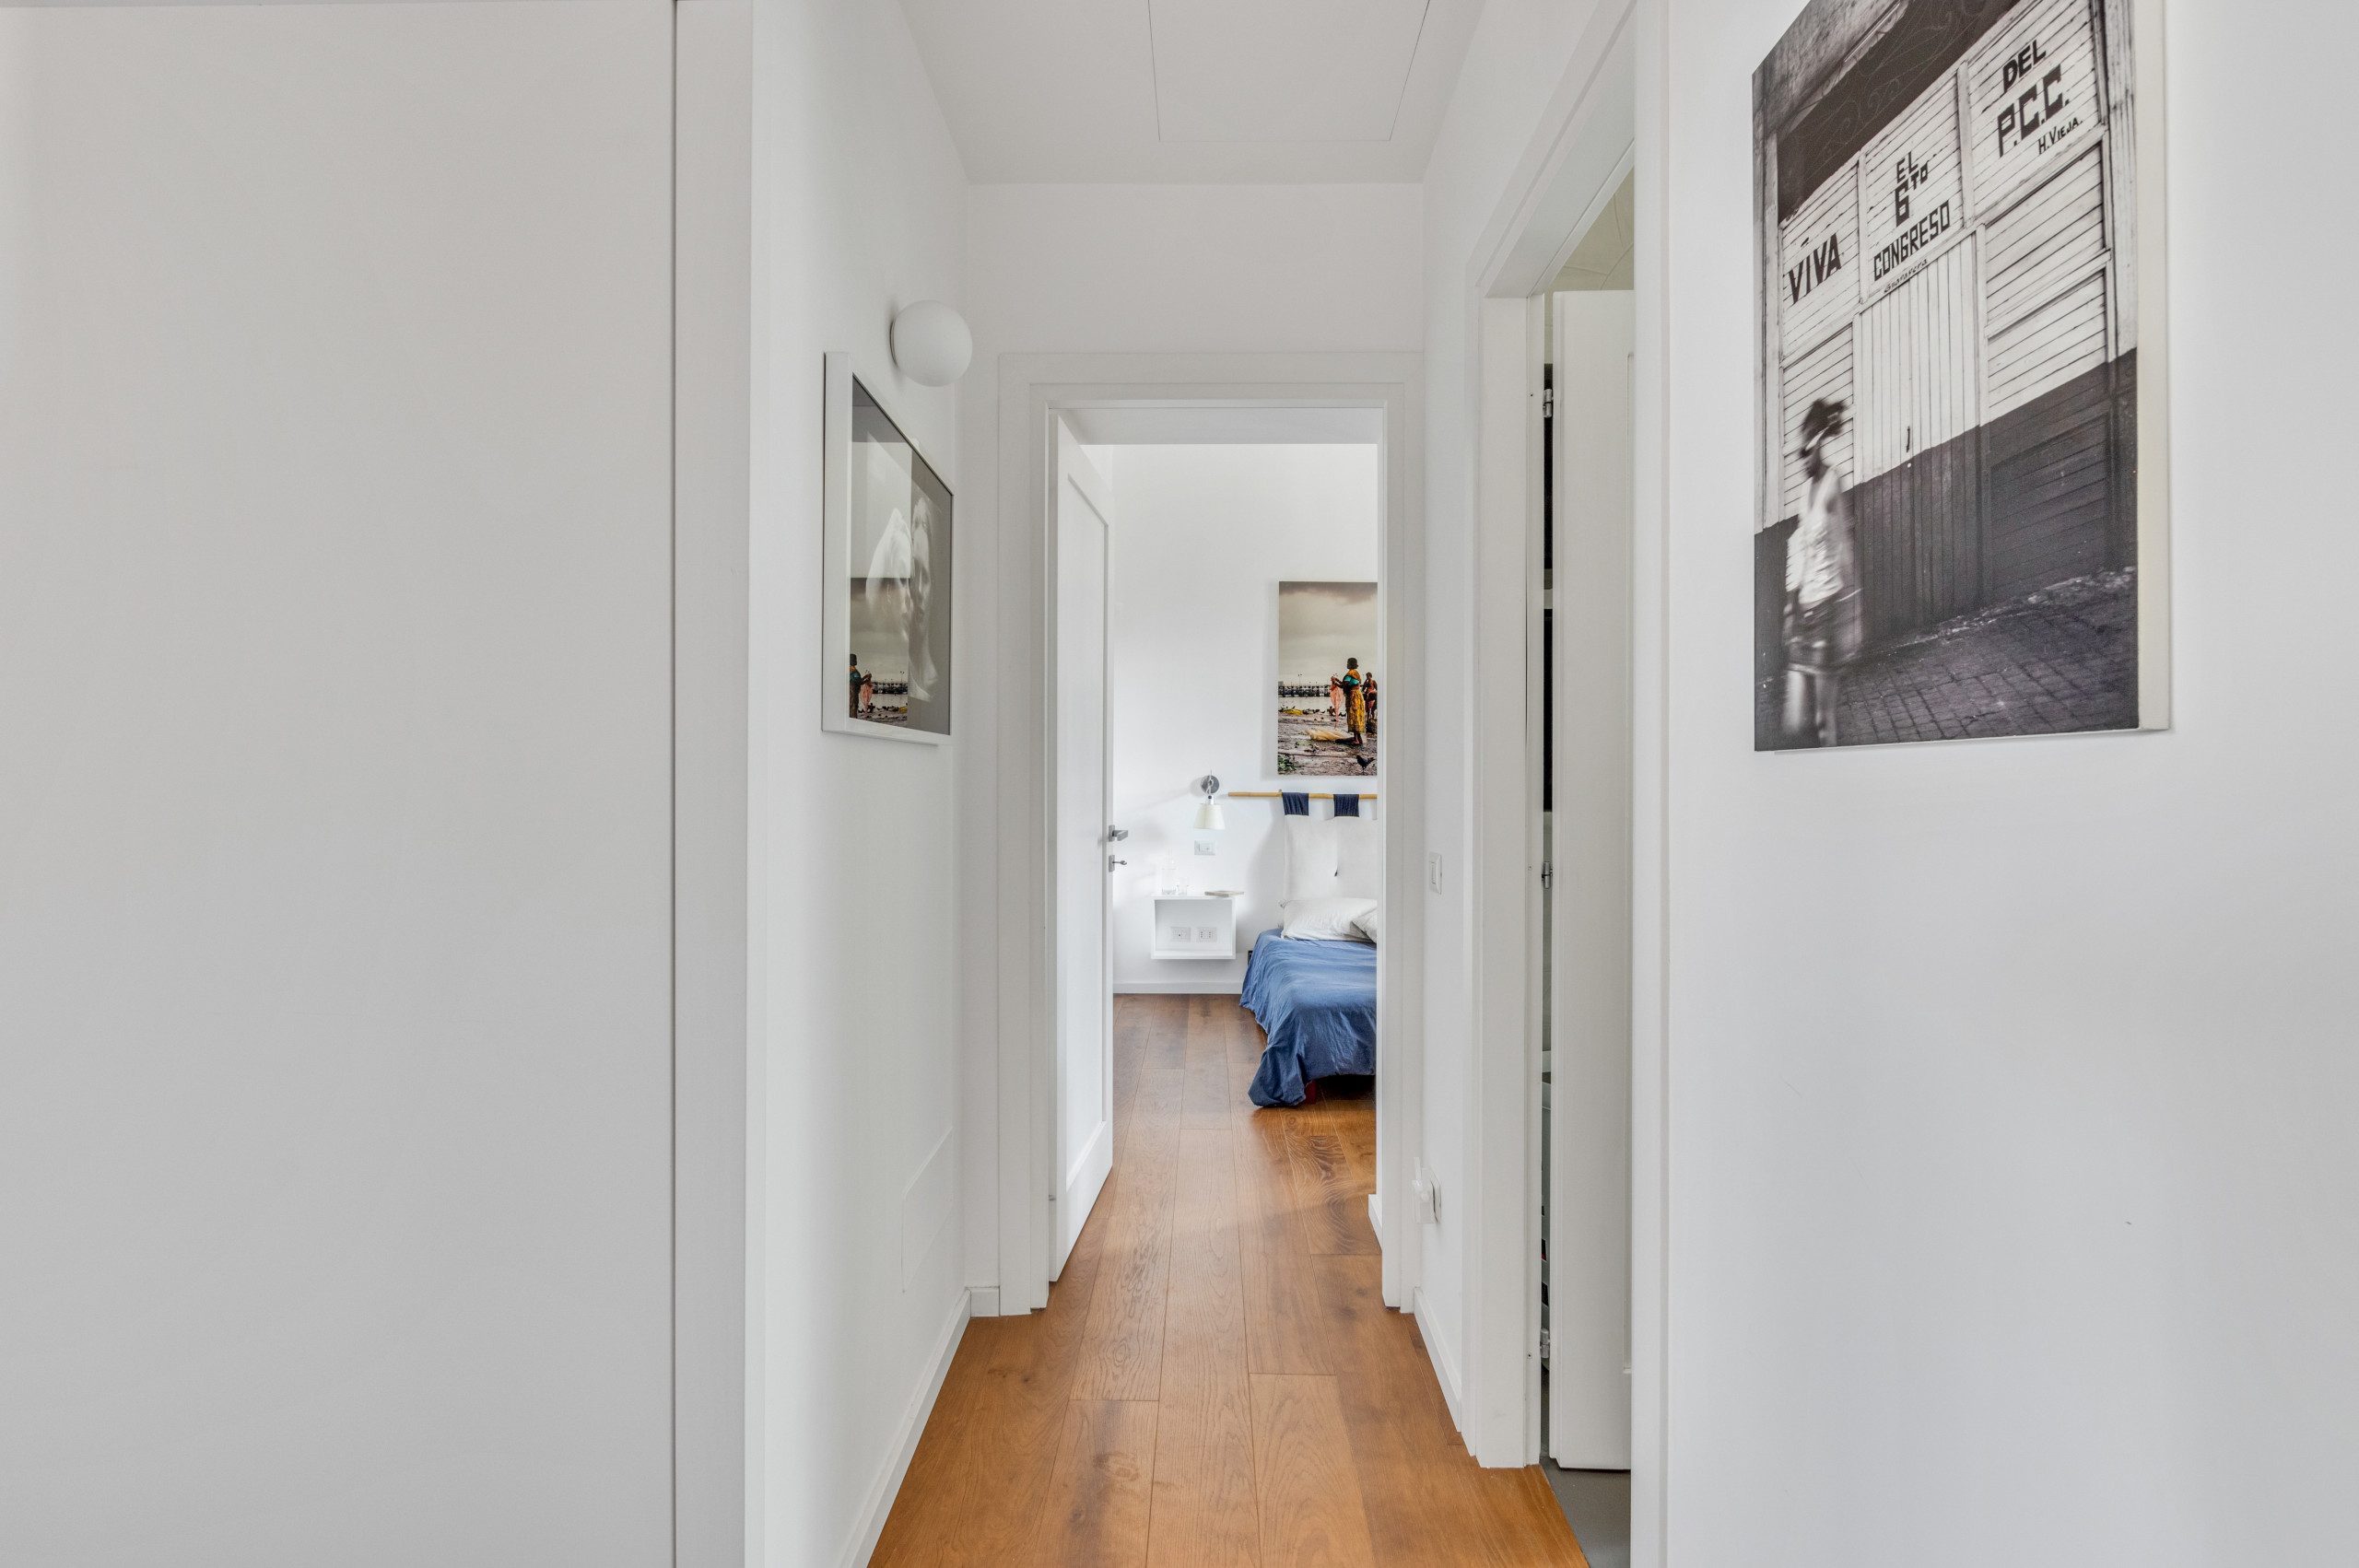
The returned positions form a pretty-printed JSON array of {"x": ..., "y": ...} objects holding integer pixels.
[{"x": 1216, "y": 1379}]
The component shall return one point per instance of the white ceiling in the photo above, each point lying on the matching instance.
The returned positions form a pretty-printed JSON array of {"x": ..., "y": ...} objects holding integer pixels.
[{"x": 1192, "y": 90}]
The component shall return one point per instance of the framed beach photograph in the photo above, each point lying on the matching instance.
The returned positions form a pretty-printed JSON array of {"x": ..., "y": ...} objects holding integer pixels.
[
  {"x": 887, "y": 579},
  {"x": 1961, "y": 519},
  {"x": 1328, "y": 694}
]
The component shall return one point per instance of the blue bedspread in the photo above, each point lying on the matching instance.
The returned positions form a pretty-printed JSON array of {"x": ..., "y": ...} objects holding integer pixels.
[{"x": 1317, "y": 1001}]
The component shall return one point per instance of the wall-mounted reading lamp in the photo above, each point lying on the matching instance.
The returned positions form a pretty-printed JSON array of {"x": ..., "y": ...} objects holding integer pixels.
[{"x": 1208, "y": 814}]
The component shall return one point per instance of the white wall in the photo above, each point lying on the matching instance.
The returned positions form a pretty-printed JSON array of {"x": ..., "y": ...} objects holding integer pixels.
[
  {"x": 1107, "y": 268},
  {"x": 1202, "y": 535},
  {"x": 2012, "y": 1089},
  {"x": 1515, "y": 66},
  {"x": 712, "y": 472},
  {"x": 334, "y": 798},
  {"x": 860, "y": 208}
]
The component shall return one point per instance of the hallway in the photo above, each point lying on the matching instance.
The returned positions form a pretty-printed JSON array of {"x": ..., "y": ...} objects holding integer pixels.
[{"x": 1216, "y": 1379}]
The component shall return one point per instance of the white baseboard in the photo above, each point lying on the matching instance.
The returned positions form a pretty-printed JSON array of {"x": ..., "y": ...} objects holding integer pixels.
[
  {"x": 1376, "y": 1218},
  {"x": 1445, "y": 1361},
  {"x": 983, "y": 1301},
  {"x": 905, "y": 1440},
  {"x": 1210, "y": 986}
]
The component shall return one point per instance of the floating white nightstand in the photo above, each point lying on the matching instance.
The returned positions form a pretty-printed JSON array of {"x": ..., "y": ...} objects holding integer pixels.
[{"x": 1195, "y": 925}]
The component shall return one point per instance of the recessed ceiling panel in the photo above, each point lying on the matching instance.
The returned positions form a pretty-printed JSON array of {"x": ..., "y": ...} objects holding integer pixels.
[
  {"x": 1282, "y": 70},
  {"x": 1065, "y": 91}
]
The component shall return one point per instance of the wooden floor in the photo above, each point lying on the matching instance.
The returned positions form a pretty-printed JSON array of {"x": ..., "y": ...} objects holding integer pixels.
[{"x": 1215, "y": 1380}]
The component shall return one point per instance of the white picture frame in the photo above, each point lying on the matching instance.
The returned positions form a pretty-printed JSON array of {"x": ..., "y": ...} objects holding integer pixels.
[
  {"x": 885, "y": 583},
  {"x": 1961, "y": 527}
]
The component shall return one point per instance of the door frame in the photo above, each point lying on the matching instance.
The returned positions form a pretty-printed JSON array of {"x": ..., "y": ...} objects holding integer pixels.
[
  {"x": 1031, "y": 387},
  {"x": 1594, "y": 130}
]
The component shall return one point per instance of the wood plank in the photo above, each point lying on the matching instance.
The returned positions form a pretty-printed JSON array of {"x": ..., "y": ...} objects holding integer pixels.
[
  {"x": 914, "y": 1528},
  {"x": 1204, "y": 1510},
  {"x": 1126, "y": 1084},
  {"x": 1121, "y": 1348},
  {"x": 1245, "y": 1043},
  {"x": 1333, "y": 1213},
  {"x": 1521, "y": 1523},
  {"x": 981, "y": 1471},
  {"x": 1100, "y": 1497},
  {"x": 1132, "y": 1025},
  {"x": 1427, "y": 1501},
  {"x": 1153, "y": 1113},
  {"x": 1391, "y": 1375},
  {"x": 1209, "y": 1102},
  {"x": 1164, "y": 1041},
  {"x": 1310, "y": 1504},
  {"x": 1354, "y": 1121},
  {"x": 1281, "y": 1329},
  {"x": 1134, "y": 1017}
]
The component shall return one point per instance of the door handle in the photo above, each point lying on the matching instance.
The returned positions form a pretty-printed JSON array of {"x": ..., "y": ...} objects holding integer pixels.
[{"x": 1116, "y": 835}]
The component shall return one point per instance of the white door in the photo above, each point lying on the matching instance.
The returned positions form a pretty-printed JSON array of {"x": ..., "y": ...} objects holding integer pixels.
[
  {"x": 1084, "y": 1117},
  {"x": 1589, "y": 1154}
]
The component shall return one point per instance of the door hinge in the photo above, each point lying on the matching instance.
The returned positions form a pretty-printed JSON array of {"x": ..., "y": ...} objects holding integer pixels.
[
  {"x": 1548, "y": 403},
  {"x": 1543, "y": 1344},
  {"x": 1547, "y": 874}
]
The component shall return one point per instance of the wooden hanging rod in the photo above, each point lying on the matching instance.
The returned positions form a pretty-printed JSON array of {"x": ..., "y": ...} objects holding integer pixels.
[{"x": 1274, "y": 794}]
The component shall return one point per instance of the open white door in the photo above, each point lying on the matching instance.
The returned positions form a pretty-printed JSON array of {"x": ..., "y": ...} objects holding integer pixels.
[
  {"x": 1589, "y": 1155},
  {"x": 1080, "y": 521}
]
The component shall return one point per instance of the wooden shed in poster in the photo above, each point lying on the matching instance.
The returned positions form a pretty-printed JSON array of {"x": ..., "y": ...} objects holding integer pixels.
[{"x": 1946, "y": 195}]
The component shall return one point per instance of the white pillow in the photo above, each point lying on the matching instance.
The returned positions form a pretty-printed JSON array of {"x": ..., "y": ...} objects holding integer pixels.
[
  {"x": 1367, "y": 925},
  {"x": 1359, "y": 858},
  {"x": 1311, "y": 858},
  {"x": 1326, "y": 920}
]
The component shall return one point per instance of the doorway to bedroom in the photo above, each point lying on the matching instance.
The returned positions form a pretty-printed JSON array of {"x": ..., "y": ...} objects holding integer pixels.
[
  {"x": 1070, "y": 475},
  {"x": 1219, "y": 653},
  {"x": 1215, "y": 1353}
]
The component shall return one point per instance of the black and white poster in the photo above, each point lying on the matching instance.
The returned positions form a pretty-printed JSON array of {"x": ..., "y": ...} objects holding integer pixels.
[
  {"x": 887, "y": 558},
  {"x": 1960, "y": 529}
]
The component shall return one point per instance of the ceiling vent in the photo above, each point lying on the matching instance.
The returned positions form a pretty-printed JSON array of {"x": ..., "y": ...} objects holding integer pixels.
[{"x": 1282, "y": 70}]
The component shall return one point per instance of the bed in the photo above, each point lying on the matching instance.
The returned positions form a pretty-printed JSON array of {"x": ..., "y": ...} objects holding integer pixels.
[{"x": 1316, "y": 1000}]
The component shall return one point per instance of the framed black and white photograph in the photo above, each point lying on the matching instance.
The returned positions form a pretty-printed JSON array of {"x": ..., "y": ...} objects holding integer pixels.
[
  {"x": 1328, "y": 694},
  {"x": 887, "y": 579},
  {"x": 1961, "y": 527}
]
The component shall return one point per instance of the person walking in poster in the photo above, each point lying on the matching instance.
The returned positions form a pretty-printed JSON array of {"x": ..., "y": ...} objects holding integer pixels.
[
  {"x": 1354, "y": 700},
  {"x": 1822, "y": 586}
]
